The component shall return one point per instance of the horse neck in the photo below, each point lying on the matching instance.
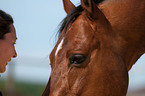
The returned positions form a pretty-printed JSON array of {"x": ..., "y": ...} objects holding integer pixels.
[{"x": 127, "y": 20}]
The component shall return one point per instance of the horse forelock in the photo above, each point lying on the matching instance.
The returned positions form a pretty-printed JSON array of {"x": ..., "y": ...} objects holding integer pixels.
[
  {"x": 69, "y": 19},
  {"x": 72, "y": 16}
]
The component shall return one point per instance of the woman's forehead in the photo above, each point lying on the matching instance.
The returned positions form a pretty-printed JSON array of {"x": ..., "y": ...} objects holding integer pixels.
[
  {"x": 12, "y": 34},
  {"x": 13, "y": 31}
]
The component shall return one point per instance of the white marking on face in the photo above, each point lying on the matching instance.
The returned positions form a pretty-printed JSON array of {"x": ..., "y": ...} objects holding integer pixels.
[{"x": 59, "y": 47}]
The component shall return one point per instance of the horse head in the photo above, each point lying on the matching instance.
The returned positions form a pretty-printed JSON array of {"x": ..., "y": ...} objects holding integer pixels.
[{"x": 86, "y": 60}]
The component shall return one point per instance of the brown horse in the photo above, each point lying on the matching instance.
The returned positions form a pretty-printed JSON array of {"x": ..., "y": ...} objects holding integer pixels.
[{"x": 99, "y": 42}]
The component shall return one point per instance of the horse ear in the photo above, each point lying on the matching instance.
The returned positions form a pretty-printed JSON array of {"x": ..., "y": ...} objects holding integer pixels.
[
  {"x": 90, "y": 7},
  {"x": 68, "y": 6}
]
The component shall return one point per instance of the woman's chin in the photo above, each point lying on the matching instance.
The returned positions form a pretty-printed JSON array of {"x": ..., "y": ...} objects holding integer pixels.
[{"x": 2, "y": 70}]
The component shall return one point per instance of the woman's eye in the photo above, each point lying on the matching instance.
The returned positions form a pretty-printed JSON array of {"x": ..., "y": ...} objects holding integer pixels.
[{"x": 77, "y": 59}]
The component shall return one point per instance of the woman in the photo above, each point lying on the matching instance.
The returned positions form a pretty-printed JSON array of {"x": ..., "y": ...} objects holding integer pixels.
[{"x": 7, "y": 40}]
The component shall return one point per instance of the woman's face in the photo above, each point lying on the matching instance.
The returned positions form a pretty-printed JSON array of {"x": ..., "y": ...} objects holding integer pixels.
[{"x": 7, "y": 48}]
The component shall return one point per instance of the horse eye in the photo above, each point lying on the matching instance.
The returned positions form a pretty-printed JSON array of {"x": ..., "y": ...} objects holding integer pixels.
[{"x": 77, "y": 59}]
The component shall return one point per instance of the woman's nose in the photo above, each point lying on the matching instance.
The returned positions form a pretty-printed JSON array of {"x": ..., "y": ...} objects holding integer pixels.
[{"x": 15, "y": 55}]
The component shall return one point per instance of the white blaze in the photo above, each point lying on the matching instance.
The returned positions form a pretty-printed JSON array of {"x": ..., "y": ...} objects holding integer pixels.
[{"x": 59, "y": 47}]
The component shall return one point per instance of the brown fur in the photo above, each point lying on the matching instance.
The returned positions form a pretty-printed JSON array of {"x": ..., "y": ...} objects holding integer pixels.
[{"x": 111, "y": 37}]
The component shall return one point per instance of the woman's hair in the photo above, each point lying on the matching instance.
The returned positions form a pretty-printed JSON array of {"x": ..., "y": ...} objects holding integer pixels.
[{"x": 5, "y": 21}]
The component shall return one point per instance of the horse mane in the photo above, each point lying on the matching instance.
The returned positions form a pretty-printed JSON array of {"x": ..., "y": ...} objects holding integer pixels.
[{"x": 72, "y": 16}]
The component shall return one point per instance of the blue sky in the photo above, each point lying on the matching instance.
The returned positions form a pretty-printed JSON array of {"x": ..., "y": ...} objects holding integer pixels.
[{"x": 36, "y": 23}]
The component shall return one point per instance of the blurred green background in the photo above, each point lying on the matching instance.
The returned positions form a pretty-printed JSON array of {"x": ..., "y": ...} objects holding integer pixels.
[{"x": 21, "y": 88}]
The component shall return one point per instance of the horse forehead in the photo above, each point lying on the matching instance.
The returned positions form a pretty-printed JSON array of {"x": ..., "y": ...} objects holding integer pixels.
[
  {"x": 59, "y": 47},
  {"x": 80, "y": 28},
  {"x": 79, "y": 36},
  {"x": 82, "y": 21}
]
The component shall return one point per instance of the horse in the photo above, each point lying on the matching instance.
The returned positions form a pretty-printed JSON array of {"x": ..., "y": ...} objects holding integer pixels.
[{"x": 99, "y": 41}]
